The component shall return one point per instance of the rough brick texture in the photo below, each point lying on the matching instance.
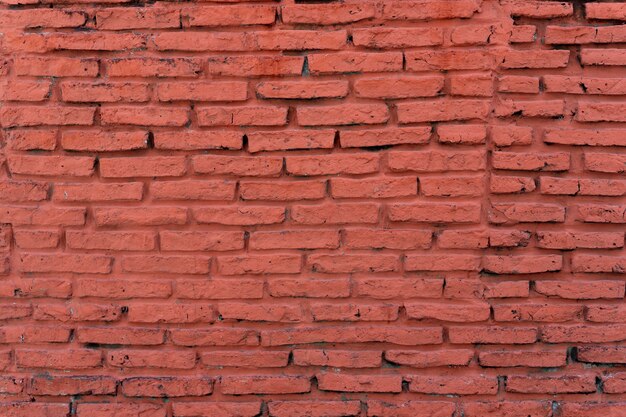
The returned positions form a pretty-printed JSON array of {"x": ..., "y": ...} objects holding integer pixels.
[{"x": 372, "y": 208}]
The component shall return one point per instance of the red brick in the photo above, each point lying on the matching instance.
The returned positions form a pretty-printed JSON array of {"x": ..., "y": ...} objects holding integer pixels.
[
  {"x": 331, "y": 14},
  {"x": 345, "y": 62},
  {"x": 85, "y": 92},
  {"x": 384, "y": 137},
  {"x": 378, "y": 408},
  {"x": 239, "y": 359},
  {"x": 426, "y": 359},
  {"x": 216, "y": 409},
  {"x": 392, "y": 38},
  {"x": 359, "y": 383},
  {"x": 57, "y": 386},
  {"x": 302, "y": 90},
  {"x": 197, "y": 140},
  {"x": 243, "y": 384},
  {"x": 230, "y": 16},
  {"x": 166, "y": 387},
  {"x": 474, "y": 385},
  {"x": 61, "y": 359},
  {"x": 202, "y": 91},
  {"x": 142, "y": 116},
  {"x": 442, "y": 111},
  {"x": 396, "y": 87},
  {"x": 241, "y": 216},
  {"x": 415, "y": 10},
  {"x": 314, "y": 408},
  {"x": 152, "y": 67},
  {"x": 255, "y": 66},
  {"x": 125, "y": 18}
]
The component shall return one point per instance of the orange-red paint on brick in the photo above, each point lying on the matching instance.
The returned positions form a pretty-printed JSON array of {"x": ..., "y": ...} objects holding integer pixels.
[{"x": 294, "y": 208}]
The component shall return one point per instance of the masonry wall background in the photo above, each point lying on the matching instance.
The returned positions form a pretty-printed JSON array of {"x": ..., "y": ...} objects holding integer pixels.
[{"x": 279, "y": 208}]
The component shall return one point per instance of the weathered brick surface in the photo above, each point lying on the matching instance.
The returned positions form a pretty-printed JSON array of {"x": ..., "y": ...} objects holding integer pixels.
[{"x": 295, "y": 208}]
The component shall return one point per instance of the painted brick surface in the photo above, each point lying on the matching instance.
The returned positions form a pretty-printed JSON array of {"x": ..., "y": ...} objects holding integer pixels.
[{"x": 374, "y": 208}]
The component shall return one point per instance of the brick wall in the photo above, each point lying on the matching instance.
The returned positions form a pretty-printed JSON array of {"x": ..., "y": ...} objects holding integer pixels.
[{"x": 312, "y": 209}]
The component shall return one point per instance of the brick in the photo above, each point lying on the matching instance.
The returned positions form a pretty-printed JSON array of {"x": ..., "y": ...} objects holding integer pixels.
[
  {"x": 435, "y": 212},
  {"x": 521, "y": 358},
  {"x": 158, "y": 116},
  {"x": 348, "y": 62},
  {"x": 166, "y": 387},
  {"x": 166, "y": 264},
  {"x": 472, "y": 85},
  {"x": 542, "y": 10},
  {"x": 233, "y": 15},
  {"x": 493, "y": 335},
  {"x": 600, "y": 112},
  {"x": 320, "y": 288},
  {"x": 337, "y": 358},
  {"x": 373, "y": 188},
  {"x": 24, "y": 91},
  {"x": 359, "y": 383},
  {"x": 443, "y": 312},
  {"x": 297, "y": 239},
  {"x": 55, "y": 66},
  {"x": 450, "y": 385},
  {"x": 378, "y": 408},
  {"x": 14, "y": 116},
  {"x": 387, "y": 239},
  {"x": 417, "y": 10},
  {"x": 102, "y": 141},
  {"x": 81, "y": 92},
  {"x": 152, "y": 67},
  {"x": 313, "y": 408},
  {"x": 142, "y": 167},
  {"x": 122, "y": 289},
  {"x": 506, "y": 213},
  {"x": 120, "y": 409},
  {"x": 448, "y": 60},
  {"x": 200, "y": 241},
  {"x": 535, "y": 59},
  {"x": 259, "y": 264},
  {"x": 392, "y": 38},
  {"x": 255, "y": 66},
  {"x": 442, "y": 111},
  {"x": 57, "y": 386},
  {"x": 243, "y": 384},
  {"x": 140, "y": 216},
  {"x": 72, "y": 192},
  {"x": 395, "y": 88},
  {"x": 197, "y": 140},
  {"x": 237, "y": 359},
  {"x": 384, "y": 137},
  {"x": 282, "y": 191},
  {"x": 124, "y": 18},
  {"x": 602, "y": 57},
  {"x": 522, "y": 264},
  {"x": 607, "y": 11},
  {"x": 62, "y": 359},
  {"x": 266, "y": 313},
  {"x": 202, "y": 91},
  {"x": 219, "y": 289},
  {"x": 562, "y": 384},
  {"x": 29, "y": 140},
  {"x": 507, "y": 408},
  {"x": 331, "y": 14},
  {"x": 462, "y": 134},
  {"x": 238, "y": 116},
  {"x": 302, "y": 89},
  {"x": 177, "y": 313},
  {"x": 444, "y": 187},
  {"x": 511, "y": 135},
  {"x": 80, "y": 264},
  {"x": 217, "y": 409},
  {"x": 343, "y": 115},
  {"x": 436, "y": 161},
  {"x": 352, "y": 263},
  {"x": 427, "y": 359},
  {"x": 122, "y": 241},
  {"x": 193, "y": 190},
  {"x": 536, "y": 312},
  {"x": 244, "y": 215},
  {"x": 335, "y": 334}
]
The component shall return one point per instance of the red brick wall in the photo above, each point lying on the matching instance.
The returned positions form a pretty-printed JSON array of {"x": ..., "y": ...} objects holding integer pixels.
[{"x": 270, "y": 208}]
